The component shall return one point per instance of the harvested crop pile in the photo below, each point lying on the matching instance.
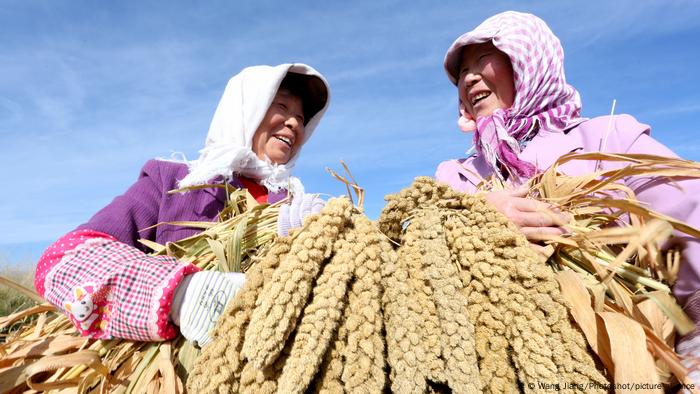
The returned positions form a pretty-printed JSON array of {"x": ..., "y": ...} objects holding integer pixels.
[
  {"x": 441, "y": 294},
  {"x": 462, "y": 305}
]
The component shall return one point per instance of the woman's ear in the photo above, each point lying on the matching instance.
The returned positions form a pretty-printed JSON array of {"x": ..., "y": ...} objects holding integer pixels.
[{"x": 466, "y": 122}]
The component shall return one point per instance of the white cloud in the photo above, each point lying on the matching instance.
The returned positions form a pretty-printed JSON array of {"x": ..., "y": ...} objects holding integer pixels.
[{"x": 675, "y": 110}]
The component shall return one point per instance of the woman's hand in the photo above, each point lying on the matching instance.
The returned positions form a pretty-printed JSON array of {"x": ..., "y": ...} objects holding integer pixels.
[
  {"x": 292, "y": 215},
  {"x": 534, "y": 218},
  {"x": 199, "y": 301}
]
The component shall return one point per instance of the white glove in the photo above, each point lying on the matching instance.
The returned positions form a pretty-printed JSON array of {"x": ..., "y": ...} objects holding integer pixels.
[
  {"x": 199, "y": 301},
  {"x": 292, "y": 215}
]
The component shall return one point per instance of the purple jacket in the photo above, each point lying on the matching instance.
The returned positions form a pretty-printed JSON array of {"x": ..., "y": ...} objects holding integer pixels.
[
  {"x": 147, "y": 203},
  {"x": 680, "y": 200}
]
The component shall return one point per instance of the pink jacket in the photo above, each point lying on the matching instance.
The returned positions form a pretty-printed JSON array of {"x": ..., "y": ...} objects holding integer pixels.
[{"x": 626, "y": 135}]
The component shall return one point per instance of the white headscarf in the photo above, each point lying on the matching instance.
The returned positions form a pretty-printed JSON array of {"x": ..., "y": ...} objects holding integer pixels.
[{"x": 228, "y": 147}]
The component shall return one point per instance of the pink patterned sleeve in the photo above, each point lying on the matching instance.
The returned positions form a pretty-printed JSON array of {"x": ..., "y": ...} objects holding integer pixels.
[{"x": 110, "y": 289}]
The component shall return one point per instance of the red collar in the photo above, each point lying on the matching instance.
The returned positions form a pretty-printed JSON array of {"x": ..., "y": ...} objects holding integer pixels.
[{"x": 258, "y": 191}]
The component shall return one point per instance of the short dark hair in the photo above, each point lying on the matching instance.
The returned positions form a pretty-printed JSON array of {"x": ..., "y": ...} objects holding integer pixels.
[{"x": 310, "y": 89}]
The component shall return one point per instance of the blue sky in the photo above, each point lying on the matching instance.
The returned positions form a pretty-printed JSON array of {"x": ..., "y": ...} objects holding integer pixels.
[{"x": 91, "y": 90}]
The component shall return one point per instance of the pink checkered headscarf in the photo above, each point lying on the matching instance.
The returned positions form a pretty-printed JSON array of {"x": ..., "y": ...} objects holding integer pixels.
[{"x": 544, "y": 102}]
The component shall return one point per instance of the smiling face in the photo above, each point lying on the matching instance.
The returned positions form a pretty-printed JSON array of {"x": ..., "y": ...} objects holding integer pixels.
[
  {"x": 281, "y": 131},
  {"x": 485, "y": 80}
]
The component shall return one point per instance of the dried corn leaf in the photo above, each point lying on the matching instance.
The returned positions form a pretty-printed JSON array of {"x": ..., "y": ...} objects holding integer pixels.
[
  {"x": 641, "y": 210},
  {"x": 632, "y": 363},
  {"x": 574, "y": 292},
  {"x": 35, "y": 371},
  {"x": 170, "y": 383},
  {"x": 670, "y": 308},
  {"x": 235, "y": 247},
  {"x": 654, "y": 232},
  {"x": 218, "y": 249},
  {"x": 13, "y": 377},
  {"x": 154, "y": 246},
  {"x": 144, "y": 371},
  {"x": 7, "y": 321},
  {"x": 52, "y": 345},
  {"x": 666, "y": 354},
  {"x": 648, "y": 313}
]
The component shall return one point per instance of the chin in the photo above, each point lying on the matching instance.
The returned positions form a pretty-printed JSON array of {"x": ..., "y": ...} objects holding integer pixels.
[{"x": 279, "y": 160}]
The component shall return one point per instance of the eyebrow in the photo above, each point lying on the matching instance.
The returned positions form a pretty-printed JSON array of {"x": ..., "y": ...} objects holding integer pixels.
[{"x": 285, "y": 94}]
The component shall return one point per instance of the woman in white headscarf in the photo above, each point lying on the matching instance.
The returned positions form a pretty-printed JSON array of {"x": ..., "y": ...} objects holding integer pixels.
[{"x": 99, "y": 274}]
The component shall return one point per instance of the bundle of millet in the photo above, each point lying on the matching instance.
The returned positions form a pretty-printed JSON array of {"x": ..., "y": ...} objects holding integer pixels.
[
  {"x": 523, "y": 334},
  {"x": 462, "y": 305},
  {"x": 309, "y": 314}
]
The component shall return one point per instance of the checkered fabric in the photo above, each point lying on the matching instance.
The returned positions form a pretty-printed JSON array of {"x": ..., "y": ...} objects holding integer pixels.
[
  {"x": 138, "y": 288},
  {"x": 54, "y": 253}
]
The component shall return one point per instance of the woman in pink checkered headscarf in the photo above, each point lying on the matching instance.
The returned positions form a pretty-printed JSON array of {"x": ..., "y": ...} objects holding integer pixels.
[
  {"x": 509, "y": 72},
  {"x": 542, "y": 102},
  {"x": 513, "y": 95}
]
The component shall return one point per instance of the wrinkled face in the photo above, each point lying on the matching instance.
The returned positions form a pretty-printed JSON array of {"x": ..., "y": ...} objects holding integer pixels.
[
  {"x": 485, "y": 80},
  {"x": 281, "y": 131}
]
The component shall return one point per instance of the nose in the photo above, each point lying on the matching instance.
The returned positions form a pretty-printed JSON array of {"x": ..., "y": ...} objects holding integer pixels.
[
  {"x": 294, "y": 124},
  {"x": 471, "y": 78}
]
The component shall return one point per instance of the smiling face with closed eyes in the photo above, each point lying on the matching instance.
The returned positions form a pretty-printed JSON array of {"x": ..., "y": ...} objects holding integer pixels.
[
  {"x": 281, "y": 132},
  {"x": 485, "y": 80}
]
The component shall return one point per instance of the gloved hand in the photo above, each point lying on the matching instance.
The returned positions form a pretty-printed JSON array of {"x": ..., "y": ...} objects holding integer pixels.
[
  {"x": 199, "y": 301},
  {"x": 292, "y": 215}
]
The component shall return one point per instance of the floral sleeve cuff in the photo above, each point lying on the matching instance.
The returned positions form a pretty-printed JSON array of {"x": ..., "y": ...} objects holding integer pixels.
[{"x": 163, "y": 327}]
